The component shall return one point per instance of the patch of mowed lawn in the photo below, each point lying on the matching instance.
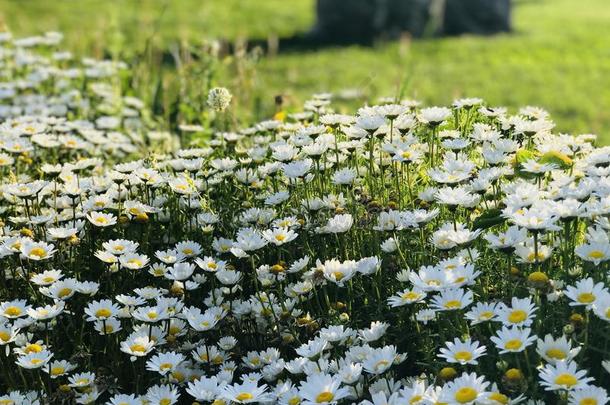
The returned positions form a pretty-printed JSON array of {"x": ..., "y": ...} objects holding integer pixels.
[{"x": 557, "y": 57}]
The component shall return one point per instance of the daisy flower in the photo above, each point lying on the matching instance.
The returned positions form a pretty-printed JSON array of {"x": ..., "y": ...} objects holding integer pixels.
[
  {"x": 101, "y": 219},
  {"x": 245, "y": 393},
  {"x": 164, "y": 363},
  {"x": 452, "y": 300},
  {"x": 590, "y": 395},
  {"x": 34, "y": 360},
  {"x": 563, "y": 376},
  {"x": 520, "y": 313},
  {"x": 406, "y": 297},
  {"x": 513, "y": 340},
  {"x": 466, "y": 389},
  {"x": 463, "y": 352},
  {"x": 585, "y": 292},
  {"x": 37, "y": 250},
  {"x": 481, "y": 312},
  {"x": 162, "y": 395},
  {"x": 555, "y": 350},
  {"x": 322, "y": 389},
  {"x": 279, "y": 236},
  {"x": 101, "y": 310}
]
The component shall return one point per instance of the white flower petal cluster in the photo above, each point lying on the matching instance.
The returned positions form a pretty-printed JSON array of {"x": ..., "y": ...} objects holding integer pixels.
[{"x": 400, "y": 255}]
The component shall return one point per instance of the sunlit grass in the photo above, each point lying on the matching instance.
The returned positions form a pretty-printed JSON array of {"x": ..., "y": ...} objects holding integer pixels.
[{"x": 557, "y": 56}]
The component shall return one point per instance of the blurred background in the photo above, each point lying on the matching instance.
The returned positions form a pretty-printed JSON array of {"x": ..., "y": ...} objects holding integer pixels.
[{"x": 556, "y": 56}]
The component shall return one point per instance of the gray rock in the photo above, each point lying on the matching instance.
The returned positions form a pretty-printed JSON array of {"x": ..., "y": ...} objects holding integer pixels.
[
  {"x": 362, "y": 21},
  {"x": 483, "y": 17}
]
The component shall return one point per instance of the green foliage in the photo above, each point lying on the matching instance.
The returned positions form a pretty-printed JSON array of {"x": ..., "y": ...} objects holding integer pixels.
[{"x": 488, "y": 219}]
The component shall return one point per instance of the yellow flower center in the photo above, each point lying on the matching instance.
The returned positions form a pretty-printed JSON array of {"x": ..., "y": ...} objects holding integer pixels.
[
  {"x": 411, "y": 295},
  {"x": 532, "y": 257},
  {"x": 338, "y": 275},
  {"x": 136, "y": 262},
  {"x": 557, "y": 354},
  {"x": 325, "y": 396},
  {"x": 103, "y": 313},
  {"x": 294, "y": 401},
  {"x": 33, "y": 348},
  {"x": 165, "y": 366},
  {"x": 415, "y": 399},
  {"x": 48, "y": 279},
  {"x": 465, "y": 395},
  {"x": 38, "y": 252},
  {"x": 280, "y": 237},
  {"x": 513, "y": 344},
  {"x": 101, "y": 220},
  {"x": 453, "y": 304},
  {"x": 381, "y": 364},
  {"x": 82, "y": 381},
  {"x": 566, "y": 379},
  {"x": 588, "y": 401},
  {"x": 4, "y": 336},
  {"x": 486, "y": 315},
  {"x": 517, "y": 316},
  {"x": 12, "y": 311},
  {"x": 64, "y": 292},
  {"x": 501, "y": 398},
  {"x": 596, "y": 254},
  {"x": 586, "y": 298},
  {"x": 187, "y": 251},
  {"x": 178, "y": 376},
  {"x": 244, "y": 396},
  {"x": 57, "y": 370},
  {"x": 36, "y": 361},
  {"x": 463, "y": 356},
  {"x": 138, "y": 348}
]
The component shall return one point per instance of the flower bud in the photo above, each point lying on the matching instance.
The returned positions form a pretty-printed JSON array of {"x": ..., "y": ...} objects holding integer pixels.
[
  {"x": 447, "y": 373},
  {"x": 538, "y": 279},
  {"x": 513, "y": 375},
  {"x": 219, "y": 99}
]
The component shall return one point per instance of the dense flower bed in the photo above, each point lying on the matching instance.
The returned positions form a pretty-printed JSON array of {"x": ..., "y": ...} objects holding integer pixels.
[{"x": 400, "y": 255}]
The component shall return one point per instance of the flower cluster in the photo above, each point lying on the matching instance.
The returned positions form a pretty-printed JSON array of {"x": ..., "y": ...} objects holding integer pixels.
[{"x": 442, "y": 255}]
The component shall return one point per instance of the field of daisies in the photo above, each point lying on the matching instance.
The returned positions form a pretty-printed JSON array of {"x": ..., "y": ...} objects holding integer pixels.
[{"x": 402, "y": 254}]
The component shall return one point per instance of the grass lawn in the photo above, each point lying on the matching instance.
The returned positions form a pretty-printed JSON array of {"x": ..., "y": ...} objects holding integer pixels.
[{"x": 557, "y": 57}]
